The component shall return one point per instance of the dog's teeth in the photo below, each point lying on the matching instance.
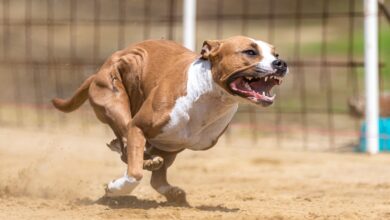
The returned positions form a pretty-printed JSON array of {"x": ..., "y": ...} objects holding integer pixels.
[
  {"x": 249, "y": 78},
  {"x": 265, "y": 79},
  {"x": 263, "y": 93},
  {"x": 247, "y": 86}
]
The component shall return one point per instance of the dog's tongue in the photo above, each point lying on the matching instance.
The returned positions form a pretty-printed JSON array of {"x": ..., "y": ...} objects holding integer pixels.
[
  {"x": 247, "y": 87},
  {"x": 256, "y": 89},
  {"x": 259, "y": 86}
]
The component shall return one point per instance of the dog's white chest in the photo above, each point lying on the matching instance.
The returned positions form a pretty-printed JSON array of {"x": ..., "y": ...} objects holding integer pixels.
[{"x": 199, "y": 117}]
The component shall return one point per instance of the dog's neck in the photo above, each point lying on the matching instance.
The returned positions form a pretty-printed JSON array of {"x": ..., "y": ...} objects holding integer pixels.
[
  {"x": 200, "y": 83},
  {"x": 203, "y": 96},
  {"x": 200, "y": 116}
]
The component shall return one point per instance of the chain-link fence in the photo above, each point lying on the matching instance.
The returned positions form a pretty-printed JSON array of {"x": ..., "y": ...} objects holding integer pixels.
[{"x": 49, "y": 47}]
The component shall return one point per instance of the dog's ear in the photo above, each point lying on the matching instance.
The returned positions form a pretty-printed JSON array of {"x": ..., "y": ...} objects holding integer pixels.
[{"x": 210, "y": 48}]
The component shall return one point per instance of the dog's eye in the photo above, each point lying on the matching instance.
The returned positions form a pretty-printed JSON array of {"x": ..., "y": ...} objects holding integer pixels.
[
  {"x": 250, "y": 52},
  {"x": 276, "y": 55}
]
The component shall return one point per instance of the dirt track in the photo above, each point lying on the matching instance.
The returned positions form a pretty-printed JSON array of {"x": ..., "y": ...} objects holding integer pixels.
[{"x": 52, "y": 176}]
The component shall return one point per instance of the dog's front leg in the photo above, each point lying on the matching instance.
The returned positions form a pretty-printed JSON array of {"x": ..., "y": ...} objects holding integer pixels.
[
  {"x": 160, "y": 183},
  {"x": 135, "y": 152}
]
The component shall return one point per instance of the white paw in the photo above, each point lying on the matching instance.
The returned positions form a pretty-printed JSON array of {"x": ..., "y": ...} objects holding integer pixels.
[{"x": 122, "y": 186}]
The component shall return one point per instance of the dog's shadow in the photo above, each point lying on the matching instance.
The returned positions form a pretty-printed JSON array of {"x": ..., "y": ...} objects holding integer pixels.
[{"x": 124, "y": 202}]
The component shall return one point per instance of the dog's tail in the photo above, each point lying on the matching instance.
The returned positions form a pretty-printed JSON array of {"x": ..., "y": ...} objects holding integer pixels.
[{"x": 71, "y": 104}]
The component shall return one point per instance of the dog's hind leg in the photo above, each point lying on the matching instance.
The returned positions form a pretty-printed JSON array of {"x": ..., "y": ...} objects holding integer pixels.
[
  {"x": 159, "y": 179},
  {"x": 111, "y": 104}
]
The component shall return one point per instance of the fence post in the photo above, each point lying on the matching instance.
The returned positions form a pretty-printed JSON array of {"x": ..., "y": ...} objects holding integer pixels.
[
  {"x": 189, "y": 23},
  {"x": 371, "y": 74}
]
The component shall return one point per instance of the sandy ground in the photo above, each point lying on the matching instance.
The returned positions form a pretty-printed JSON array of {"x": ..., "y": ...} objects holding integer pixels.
[{"x": 57, "y": 176}]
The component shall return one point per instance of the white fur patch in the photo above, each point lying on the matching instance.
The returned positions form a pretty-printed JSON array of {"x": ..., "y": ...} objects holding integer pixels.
[
  {"x": 121, "y": 186},
  {"x": 199, "y": 82},
  {"x": 199, "y": 117},
  {"x": 268, "y": 57}
]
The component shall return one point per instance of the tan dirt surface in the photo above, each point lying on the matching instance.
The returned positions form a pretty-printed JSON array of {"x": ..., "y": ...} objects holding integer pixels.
[{"x": 61, "y": 176}]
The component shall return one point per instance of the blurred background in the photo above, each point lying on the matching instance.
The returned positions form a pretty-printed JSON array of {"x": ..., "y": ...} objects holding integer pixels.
[{"x": 48, "y": 47}]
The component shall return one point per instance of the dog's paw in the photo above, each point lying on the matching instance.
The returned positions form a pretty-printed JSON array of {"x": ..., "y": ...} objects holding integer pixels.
[
  {"x": 153, "y": 164},
  {"x": 115, "y": 145},
  {"x": 176, "y": 195},
  {"x": 121, "y": 186}
]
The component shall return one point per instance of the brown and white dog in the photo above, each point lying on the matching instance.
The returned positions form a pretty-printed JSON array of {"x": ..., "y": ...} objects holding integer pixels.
[{"x": 159, "y": 98}]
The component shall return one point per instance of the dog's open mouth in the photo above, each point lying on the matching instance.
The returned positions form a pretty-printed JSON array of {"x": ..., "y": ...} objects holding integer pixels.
[{"x": 255, "y": 88}]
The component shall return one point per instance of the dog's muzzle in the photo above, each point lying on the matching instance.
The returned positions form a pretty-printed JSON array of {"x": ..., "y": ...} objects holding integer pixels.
[{"x": 280, "y": 66}]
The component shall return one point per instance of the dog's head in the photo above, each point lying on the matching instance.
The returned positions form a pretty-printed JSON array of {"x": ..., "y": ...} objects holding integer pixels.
[{"x": 245, "y": 67}]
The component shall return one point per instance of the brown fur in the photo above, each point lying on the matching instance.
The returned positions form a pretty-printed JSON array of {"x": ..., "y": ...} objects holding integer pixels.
[{"x": 136, "y": 88}]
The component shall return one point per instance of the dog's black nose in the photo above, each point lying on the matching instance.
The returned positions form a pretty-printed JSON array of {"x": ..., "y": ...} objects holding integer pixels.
[{"x": 280, "y": 66}]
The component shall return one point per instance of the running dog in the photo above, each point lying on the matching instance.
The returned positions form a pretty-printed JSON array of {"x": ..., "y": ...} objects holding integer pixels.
[{"x": 160, "y": 98}]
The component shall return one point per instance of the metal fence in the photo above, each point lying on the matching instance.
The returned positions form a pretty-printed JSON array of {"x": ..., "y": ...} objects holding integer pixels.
[{"x": 49, "y": 47}]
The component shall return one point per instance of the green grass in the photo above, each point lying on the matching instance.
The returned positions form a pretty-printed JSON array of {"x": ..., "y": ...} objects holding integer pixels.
[{"x": 384, "y": 47}]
